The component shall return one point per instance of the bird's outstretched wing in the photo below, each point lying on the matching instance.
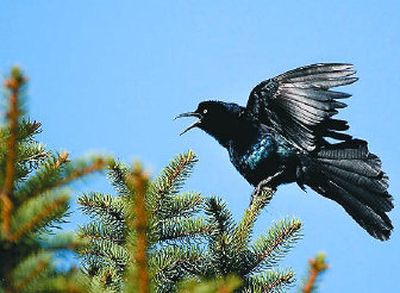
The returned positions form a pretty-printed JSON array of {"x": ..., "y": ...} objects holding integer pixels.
[{"x": 299, "y": 103}]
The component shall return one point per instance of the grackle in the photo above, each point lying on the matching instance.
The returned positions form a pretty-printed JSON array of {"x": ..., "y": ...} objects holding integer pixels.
[{"x": 287, "y": 133}]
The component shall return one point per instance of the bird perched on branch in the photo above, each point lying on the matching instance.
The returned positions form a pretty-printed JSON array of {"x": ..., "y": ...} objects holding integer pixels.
[{"x": 281, "y": 136}]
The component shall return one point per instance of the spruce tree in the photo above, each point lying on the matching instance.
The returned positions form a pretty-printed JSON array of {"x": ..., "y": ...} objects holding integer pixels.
[
  {"x": 150, "y": 235},
  {"x": 231, "y": 251},
  {"x": 34, "y": 199},
  {"x": 153, "y": 216}
]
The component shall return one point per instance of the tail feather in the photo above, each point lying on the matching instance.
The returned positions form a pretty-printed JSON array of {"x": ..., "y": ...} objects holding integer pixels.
[
  {"x": 348, "y": 174},
  {"x": 376, "y": 224},
  {"x": 375, "y": 184},
  {"x": 354, "y": 166},
  {"x": 379, "y": 201}
]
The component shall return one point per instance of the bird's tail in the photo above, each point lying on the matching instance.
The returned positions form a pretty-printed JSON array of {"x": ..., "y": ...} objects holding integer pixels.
[{"x": 348, "y": 174}]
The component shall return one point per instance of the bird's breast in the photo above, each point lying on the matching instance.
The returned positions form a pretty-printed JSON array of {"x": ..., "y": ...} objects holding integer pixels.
[
  {"x": 260, "y": 159},
  {"x": 249, "y": 158},
  {"x": 257, "y": 153}
]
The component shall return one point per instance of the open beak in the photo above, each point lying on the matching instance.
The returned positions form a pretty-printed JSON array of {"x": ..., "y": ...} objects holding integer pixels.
[{"x": 190, "y": 114}]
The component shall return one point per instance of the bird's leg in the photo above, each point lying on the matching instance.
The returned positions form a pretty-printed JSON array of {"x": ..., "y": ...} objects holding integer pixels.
[
  {"x": 300, "y": 175},
  {"x": 266, "y": 183}
]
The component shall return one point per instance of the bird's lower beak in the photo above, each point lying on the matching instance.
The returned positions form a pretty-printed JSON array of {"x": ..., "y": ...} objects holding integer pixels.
[{"x": 190, "y": 114}]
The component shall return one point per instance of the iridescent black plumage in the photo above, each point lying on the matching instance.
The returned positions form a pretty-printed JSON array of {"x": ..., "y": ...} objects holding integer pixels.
[{"x": 280, "y": 137}]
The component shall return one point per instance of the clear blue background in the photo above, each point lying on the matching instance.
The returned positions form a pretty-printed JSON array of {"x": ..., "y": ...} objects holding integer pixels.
[{"x": 110, "y": 75}]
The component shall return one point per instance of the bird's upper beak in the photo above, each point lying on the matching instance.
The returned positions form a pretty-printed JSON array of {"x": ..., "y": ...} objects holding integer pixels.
[{"x": 190, "y": 114}]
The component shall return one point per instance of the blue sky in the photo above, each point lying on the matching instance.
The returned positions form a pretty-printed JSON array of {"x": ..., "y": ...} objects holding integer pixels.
[{"x": 109, "y": 76}]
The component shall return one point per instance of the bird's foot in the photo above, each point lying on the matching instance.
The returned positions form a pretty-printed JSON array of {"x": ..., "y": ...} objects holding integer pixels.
[{"x": 265, "y": 184}]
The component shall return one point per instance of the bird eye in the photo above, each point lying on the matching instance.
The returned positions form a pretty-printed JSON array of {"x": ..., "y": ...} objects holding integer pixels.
[{"x": 205, "y": 111}]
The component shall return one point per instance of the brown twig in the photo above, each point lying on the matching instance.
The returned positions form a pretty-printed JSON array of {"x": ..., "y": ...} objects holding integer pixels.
[
  {"x": 97, "y": 165},
  {"x": 14, "y": 84},
  {"x": 317, "y": 266},
  {"x": 138, "y": 180}
]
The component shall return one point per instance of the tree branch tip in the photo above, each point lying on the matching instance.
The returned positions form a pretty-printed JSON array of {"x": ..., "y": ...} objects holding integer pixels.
[
  {"x": 319, "y": 262},
  {"x": 317, "y": 266},
  {"x": 64, "y": 155},
  {"x": 16, "y": 79},
  {"x": 139, "y": 172}
]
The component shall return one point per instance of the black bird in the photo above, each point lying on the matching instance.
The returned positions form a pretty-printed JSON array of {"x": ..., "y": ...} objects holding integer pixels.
[{"x": 287, "y": 133}]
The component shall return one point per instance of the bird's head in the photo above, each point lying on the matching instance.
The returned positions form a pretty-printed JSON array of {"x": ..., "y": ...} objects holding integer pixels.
[{"x": 216, "y": 118}]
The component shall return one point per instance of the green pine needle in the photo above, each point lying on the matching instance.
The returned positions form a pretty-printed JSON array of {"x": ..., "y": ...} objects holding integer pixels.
[
  {"x": 171, "y": 179},
  {"x": 269, "y": 249},
  {"x": 270, "y": 281},
  {"x": 181, "y": 205},
  {"x": 38, "y": 214},
  {"x": 33, "y": 269},
  {"x": 245, "y": 227},
  {"x": 180, "y": 228}
]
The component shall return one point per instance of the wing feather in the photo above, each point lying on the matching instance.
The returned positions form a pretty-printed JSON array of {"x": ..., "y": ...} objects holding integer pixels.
[{"x": 300, "y": 105}]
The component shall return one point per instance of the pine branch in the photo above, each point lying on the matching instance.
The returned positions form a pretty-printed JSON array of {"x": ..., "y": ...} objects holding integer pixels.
[
  {"x": 146, "y": 232},
  {"x": 219, "y": 216},
  {"x": 111, "y": 210},
  {"x": 229, "y": 251},
  {"x": 14, "y": 84},
  {"x": 220, "y": 285},
  {"x": 270, "y": 281},
  {"x": 138, "y": 183},
  {"x": 173, "y": 263},
  {"x": 102, "y": 254},
  {"x": 170, "y": 231},
  {"x": 46, "y": 178},
  {"x": 317, "y": 265},
  {"x": 222, "y": 257},
  {"x": 171, "y": 179},
  {"x": 58, "y": 171},
  {"x": 117, "y": 176},
  {"x": 37, "y": 274},
  {"x": 182, "y": 205},
  {"x": 26, "y": 129},
  {"x": 270, "y": 248},
  {"x": 32, "y": 201},
  {"x": 72, "y": 282},
  {"x": 180, "y": 228},
  {"x": 62, "y": 241},
  {"x": 98, "y": 231},
  {"x": 29, "y": 270},
  {"x": 30, "y": 157},
  {"x": 107, "y": 280},
  {"x": 97, "y": 283},
  {"x": 36, "y": 214},
  {"x": 81, "y": 168},
  {"x": 245, "y": 227},
  {"x": 29, "y": 153}
]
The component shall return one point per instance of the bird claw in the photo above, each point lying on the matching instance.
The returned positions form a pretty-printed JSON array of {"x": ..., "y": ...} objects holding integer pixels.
[{"x": 264, "y": 184}]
